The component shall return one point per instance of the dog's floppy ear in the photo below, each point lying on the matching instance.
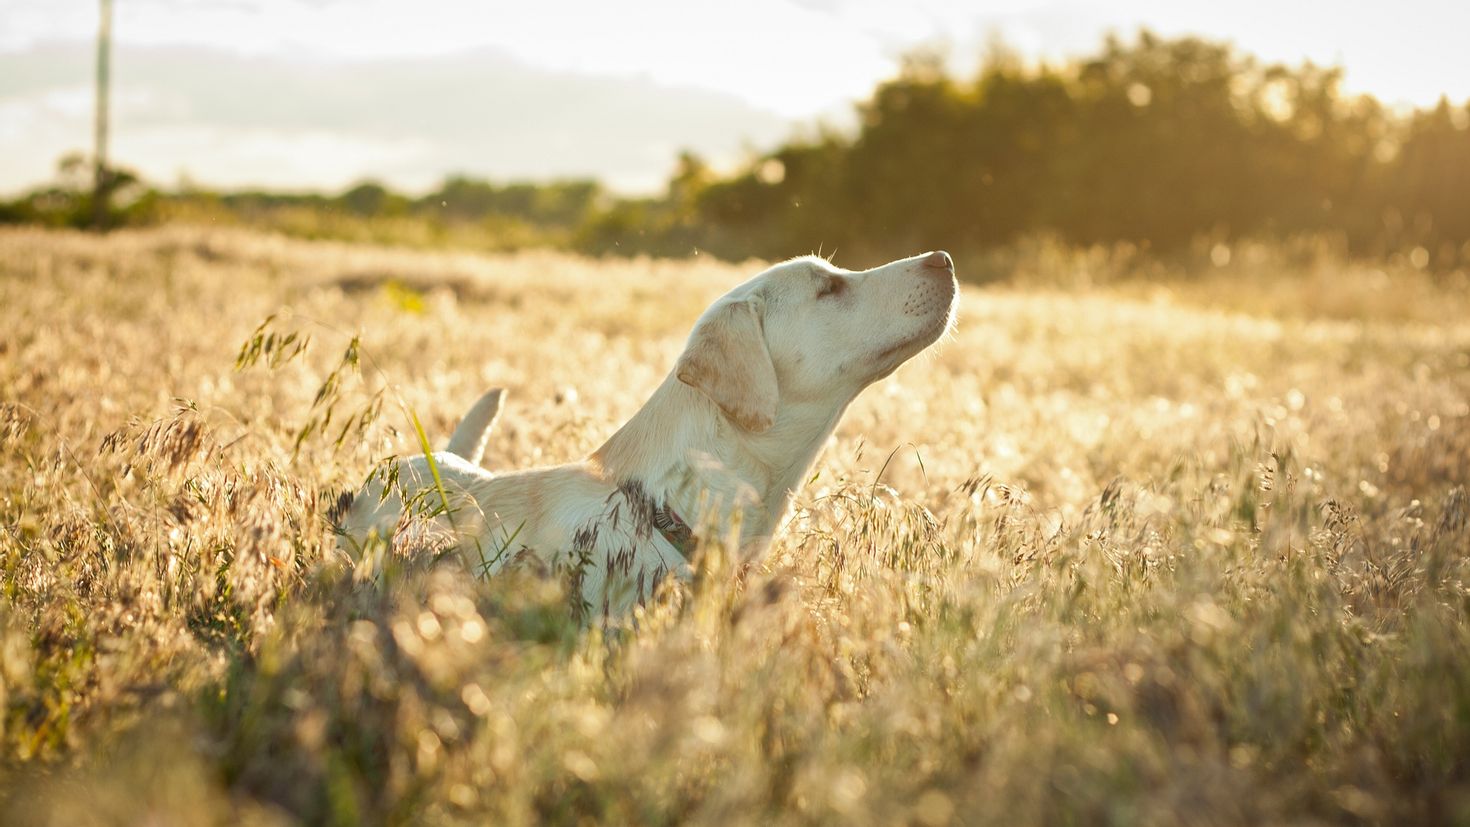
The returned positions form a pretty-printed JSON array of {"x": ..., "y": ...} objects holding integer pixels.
[{"x": 726, "y": 360}]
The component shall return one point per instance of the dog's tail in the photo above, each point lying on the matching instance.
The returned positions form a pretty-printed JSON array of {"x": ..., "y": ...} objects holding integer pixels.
[{"x": 473, "y": 433}]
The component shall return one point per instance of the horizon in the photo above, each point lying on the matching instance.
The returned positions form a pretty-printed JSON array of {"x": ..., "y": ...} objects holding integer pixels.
[{"x": 322, "y": 94}]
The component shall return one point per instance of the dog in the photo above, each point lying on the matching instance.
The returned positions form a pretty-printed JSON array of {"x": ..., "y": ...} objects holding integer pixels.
[{"x": 715, "y": 454}]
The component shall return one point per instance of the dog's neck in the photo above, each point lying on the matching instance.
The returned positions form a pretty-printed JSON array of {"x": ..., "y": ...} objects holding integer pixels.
[{"x": 690, "y": 457}]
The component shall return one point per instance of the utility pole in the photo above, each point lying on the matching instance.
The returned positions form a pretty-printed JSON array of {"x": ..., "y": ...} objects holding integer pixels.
[{"x": 103, "y": 184}]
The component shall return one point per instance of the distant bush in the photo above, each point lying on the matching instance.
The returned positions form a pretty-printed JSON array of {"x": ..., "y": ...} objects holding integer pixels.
[
  {"x": 1158, "y": 143},
  {"x": 68, "y": 201}
]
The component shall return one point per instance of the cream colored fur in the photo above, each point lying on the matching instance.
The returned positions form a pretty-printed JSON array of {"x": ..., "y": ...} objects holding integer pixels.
[
  {"x": 473, "y": 432},
  {"x": 724, "y": 441}
]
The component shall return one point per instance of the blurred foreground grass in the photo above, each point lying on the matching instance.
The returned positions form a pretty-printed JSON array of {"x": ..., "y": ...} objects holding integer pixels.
[{"x": 1141, "y": 552}]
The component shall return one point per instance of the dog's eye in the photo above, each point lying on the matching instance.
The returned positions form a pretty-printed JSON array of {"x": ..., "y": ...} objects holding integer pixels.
[{"x": 833, "y": 286}]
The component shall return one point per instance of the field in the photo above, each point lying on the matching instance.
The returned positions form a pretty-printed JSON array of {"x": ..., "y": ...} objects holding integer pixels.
[{"x": 1124, "y": 550}]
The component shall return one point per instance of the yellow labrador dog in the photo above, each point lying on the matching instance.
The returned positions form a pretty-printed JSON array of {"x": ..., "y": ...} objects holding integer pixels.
[{"x": 720, "y": 446}]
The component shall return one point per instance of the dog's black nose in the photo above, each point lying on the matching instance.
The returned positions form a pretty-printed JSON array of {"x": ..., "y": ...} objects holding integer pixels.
[{"x": 940, "y": 260}]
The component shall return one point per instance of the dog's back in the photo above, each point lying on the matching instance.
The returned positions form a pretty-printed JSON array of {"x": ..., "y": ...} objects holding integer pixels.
[{"x": 601, "y": 537}]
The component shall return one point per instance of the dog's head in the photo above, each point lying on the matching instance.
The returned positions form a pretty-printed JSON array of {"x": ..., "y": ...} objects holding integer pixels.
[{"x": 805, "y": 331}]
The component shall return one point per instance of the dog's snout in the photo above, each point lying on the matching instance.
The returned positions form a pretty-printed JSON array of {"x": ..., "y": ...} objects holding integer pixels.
[
  {"x": 932, "y": 288},
  {"x": 940, "y": 260}
]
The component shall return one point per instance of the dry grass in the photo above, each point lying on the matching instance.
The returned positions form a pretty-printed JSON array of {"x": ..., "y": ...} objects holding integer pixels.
[{"x": 1141, "y": 555}]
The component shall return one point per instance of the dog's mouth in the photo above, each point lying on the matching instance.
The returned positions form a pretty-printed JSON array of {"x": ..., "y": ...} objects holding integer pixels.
[
  {"x": 889, "y": 359},
  {"x": 886, "y": 361},
  {"x": 899, "y": 353}
]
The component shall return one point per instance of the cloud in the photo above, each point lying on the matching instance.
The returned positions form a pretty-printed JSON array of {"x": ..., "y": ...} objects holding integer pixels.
[
  {"x": 774, "y": 54},
  {"x": 237, "y": 119}
]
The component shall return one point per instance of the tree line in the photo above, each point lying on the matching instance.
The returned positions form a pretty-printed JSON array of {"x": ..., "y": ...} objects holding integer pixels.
[{"x": 1154, "y": 142}]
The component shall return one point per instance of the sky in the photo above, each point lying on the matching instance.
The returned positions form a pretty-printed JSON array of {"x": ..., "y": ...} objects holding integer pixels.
[{"x": 317, "y": 94}]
